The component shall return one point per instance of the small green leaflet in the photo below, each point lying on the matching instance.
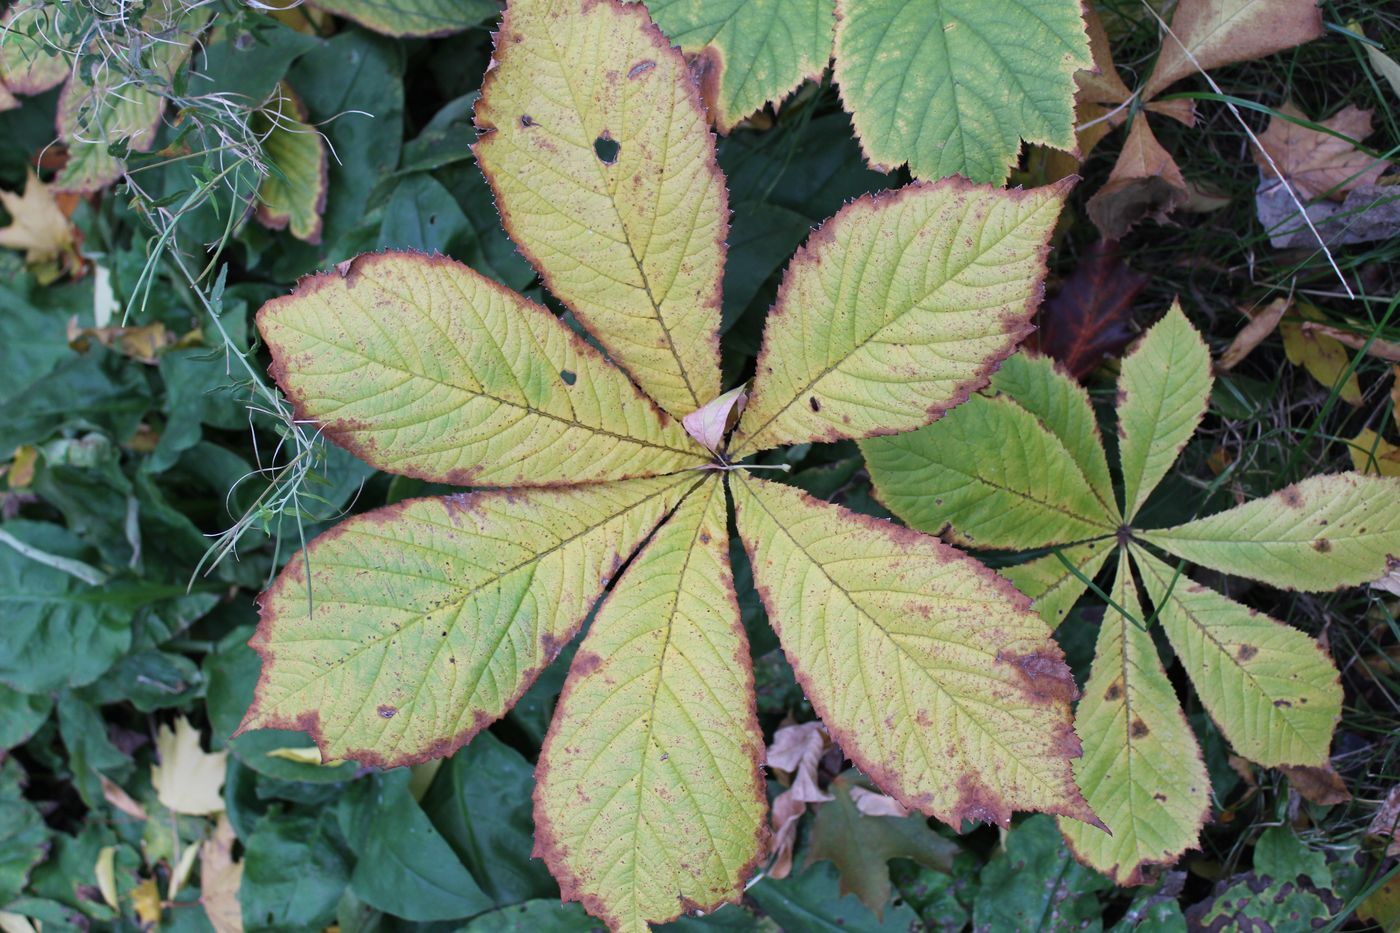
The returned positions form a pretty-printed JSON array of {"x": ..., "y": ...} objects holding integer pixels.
[
  {"x": 952, "y": 87},
  {"x": 1271, "y": 689}
]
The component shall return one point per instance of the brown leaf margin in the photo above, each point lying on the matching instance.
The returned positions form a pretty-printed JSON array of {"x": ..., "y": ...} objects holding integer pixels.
[
  {"x": 1018, "y": 326},
  {"x": 505, "y": 37},
  {"x": 976, "y": 803},
  {"x": 547, "y": 844},
  {"x": 293, "y": 575},
  {"x": 343, "y": 431},
  {"x": 278, "y": 220}
]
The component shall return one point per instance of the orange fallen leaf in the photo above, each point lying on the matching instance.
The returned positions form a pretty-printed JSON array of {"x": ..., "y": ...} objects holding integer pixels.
[
  {"x": 1261, "y": 324},
  {"x": 1145, "y": 183}
]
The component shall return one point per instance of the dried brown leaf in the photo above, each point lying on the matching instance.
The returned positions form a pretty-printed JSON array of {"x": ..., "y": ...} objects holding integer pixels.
[
  {"x": 1211, "y": 33},
  {"x": 1319, "y": 785},
  {"x": 1386, "y": 823},
  {"x": 1090, "y": 317},
  {"x": 1145, "y": 183},
  {"x": 1261, "y": 324},
  {"x": 1317, "y": 163}
]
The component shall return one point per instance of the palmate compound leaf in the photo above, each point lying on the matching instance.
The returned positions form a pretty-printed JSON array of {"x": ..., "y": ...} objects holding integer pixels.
[
  {"x": 953, "y": 86},
  {"x": 429, "y": 618},
  {"x": 1272, "y": 690},
  {"x": 650, "y": 797},
  {"x": 1323, "y": 533},
  {"x": 421, "y": 366},
  {"x": 896, "y": 309},
  {"x": 929, "y": 670},
  {"x": 1142, "y": 770},
  {"x": 752, "y": 52},
  {"x": 598, "y": 150}
]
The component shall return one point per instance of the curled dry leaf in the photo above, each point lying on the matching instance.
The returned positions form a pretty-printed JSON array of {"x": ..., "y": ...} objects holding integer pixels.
[
  {"x": 1317, "y": 163},
  {"x": 711, "y": 423},
  {"x": 1145, "y": 183},
  {"x": 872, "y": 803},
  {"x": 220, "y": 878},
  {"x": 1318, "y": 784},
  {"x": 1386, "y": 823},
  {"x": 796, "y": 749},
  {"x": 1262, "y": 322},
  {"x": 113, "y": 793}
]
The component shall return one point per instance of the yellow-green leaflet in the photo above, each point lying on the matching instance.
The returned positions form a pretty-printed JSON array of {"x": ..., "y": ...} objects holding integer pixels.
[
  {"x": 1270, "y": 688},
  {"x": 413, "y": 17},
  {"x": 1142, "y": 770},
  {"x": 927, "y": 668},
  {"x": 1062, "y": 405},
  {"x": 990, "y": 474},
  {"x": 650, "y": 799},
  {"x": 953, "y": 86},
  {"x": 752, "y": 52},
  {"x": 1323, "y": 533},
  {"x": 429, "y": 618},
  {"x": 599, "y": 152},
  {"x": 28, "y": 63},
  {"x": 1053, "y": 587},
  {"x": 424, "y": 367},
  {"x": 294, "y": 192},
  {"x": 896, "y": 309},
  {"x": 1165, "y": 386}
]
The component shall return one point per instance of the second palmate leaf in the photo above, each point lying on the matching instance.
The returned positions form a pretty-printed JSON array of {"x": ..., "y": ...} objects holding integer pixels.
[
  {"x": 429, "y": 618},
  {"x": 1023, "y": 467}
]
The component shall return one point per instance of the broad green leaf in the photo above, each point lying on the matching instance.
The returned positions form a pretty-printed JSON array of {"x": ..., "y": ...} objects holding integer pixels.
[
  {"x": 752, "y": 51},
  {"x": 48, "y": 611},
  {"x": 1323, "y": 533},
  {"x": 1270, "y": 688},
  {"x": 421, "y": 366},
  {"x": 990, "y": 474},
  {"x": 429, "y": 618},
  {"x": 1053, "y": 587},
  {"x": 21, "y": 715},
  {"x": 953, "y": 86},
  {"x": 1142, "y": 771},
  {"x": 1038, "y": 385},
  {"x": 896, "y": 309},
  {"x": 597, "y": 146},
  {"x": 649, "y": 798},
  {"x": 29, "y": 59},
  {"x": 927, "y": 668},
  {"x": 1034, "y": 883},
  {"x": 23, "y": 836},
  {"x": 413, "y": 17},
  {"x": 1164, "y": 389},
  {"x": 402, "y": 865},
  {"x": 294, "y": 192},
  {"x": 276, "y": 897}
]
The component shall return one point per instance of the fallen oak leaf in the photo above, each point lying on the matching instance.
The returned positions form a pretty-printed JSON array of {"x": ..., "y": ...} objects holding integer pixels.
[
  {"x": 861, "y": 844},
  {"x": 1317, "y": 163}
]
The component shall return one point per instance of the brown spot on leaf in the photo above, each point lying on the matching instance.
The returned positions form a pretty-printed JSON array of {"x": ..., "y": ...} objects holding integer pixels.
[
  {"x": 388, "y": 712},
  {"x": 526, "y": 120},
  {"x": 813, "y": 403},
  {"x": 1114, "y": 691},
  {"x": 1322, "y": 545},
  {"x": 1282, "y": 704},
  {"x": 585, "y": 663},
  {"x": 1291, "y": 497},
  {"x": 1044, "y": 675},
  {"x": 1245, "y": 652},
  {"x": 1138, "y": 729},
  {"x": 639, "y": 69}
]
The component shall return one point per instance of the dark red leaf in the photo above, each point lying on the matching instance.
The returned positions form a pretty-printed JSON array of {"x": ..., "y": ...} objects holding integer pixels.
[{"x": 1090, "y": 317}]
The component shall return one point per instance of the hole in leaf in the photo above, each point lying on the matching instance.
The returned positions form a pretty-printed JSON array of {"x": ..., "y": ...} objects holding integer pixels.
[
  {"x": 569, "y": 377},
  {"x": 606, "y": 148}
]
